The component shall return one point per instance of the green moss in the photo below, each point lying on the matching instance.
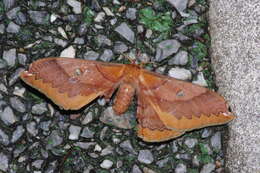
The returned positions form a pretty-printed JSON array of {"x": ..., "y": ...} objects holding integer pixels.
[
  {"x": 88, "y": 15},
  {"x": 46, "y": 19},
  {"x": 199, "y": 50},
  {"x": 190, "y": 170},
  {"x": 1, "y": 8},
  {"x": 161, "y": 22},
  {"x": 191, "y": 29},
  {"x": 25, "y": 36},
  {"x": 203, "y": 149},
  {"x": 207, "y": 38},
  {"x": 201, "y": 2},
  {"x": 50, "y": 142},
  {"x": 204, "y": 157},
  {"x": 44, "y": 45},
  {"x": 161, "y": 2},
  {"x": 69, "y": 161},
  {"x": 34, "y": 97},
  {"x": 209, "y": 78}
]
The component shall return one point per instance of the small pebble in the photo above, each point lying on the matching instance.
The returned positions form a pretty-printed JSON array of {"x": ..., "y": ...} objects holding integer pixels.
[
  {"x": 4, "y": 138},
  {"x": 74, "y": 132},
  {"x": 215, "y": 141},
  {"x": 125, "y": 31},
  {"x": 10, "y": 57},
  {"x": 180, "y": 73},
  {"x": 106, "y": 164},
  {"x": 180, "y": 168},
  {"x": 39, "y": 109},
  {"x": 87, "y": 133},
  {"x": 69, "y": 52},
  {"x": 108, "y": 11},
  {"x": 190, "y": 142},
  {"x": 8, "y": 116},
  {"x": 208, "y": 168},
  {"x": 88, "y": 118},
  {"x": 145, "y": 156},
  {"x": 76, "y": 6},
  {"x": 4, "y": 162}
]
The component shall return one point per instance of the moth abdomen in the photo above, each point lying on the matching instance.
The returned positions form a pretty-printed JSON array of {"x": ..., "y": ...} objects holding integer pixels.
[{"x": 123, "y": 98}]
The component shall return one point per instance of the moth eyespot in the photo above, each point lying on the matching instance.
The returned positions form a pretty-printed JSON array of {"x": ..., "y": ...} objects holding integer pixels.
[
  {"x": 77, "y": 72},
  {"x": 180, "y": 93}
]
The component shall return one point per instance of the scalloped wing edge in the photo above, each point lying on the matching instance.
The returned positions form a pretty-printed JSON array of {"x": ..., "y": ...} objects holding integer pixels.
[
  {"x": 60, "y": 99},
  {"x": 171, "y": 122},
  {"x": 149, "y": 135}
]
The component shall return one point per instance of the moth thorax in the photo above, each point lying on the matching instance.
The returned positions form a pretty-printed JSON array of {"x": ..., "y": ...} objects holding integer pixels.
[{"x": 123, "y": 98}]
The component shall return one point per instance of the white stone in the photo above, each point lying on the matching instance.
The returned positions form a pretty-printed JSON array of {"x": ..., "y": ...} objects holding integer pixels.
[
  {"x": 51, "y": 110},
  {"x": 125, "y": 31},
  {"x": 101, "y": 101},
  {"x": 53, "y": 17},
  {"x": 113, "y": 21},
  {"x": 13, "y": 28},
  {"x": 76, "y": 6},
  {"x": 69, "y": 52},
  {"x": 10, "y": 56},
  {"x": 145, "y": 156},
  {"x": 106, "y": 164},
  {"x": 181, "y": 58},
  {"x": 7, "y": 116},
  {"x": 32, "y": 44},
  {"x": 180, "y": 73},
  {"x": 100, "y": 17},
  {"x": 180, "y": 5},
  {"x": 74, "y": 132},
  {"x": 98, "y": 26},
  {"x": 88, "y": 118},
  {"x": 200, "y": 80},
  {"x": 148, "y": 33},
  {"x": 108, "y": 11},
  {"x": 97, "y": 148},
  {"x": 62, "y": 32},
  {"x": 19, "y": 91},
  {"x": 140, "y": 28},
  {"x": 116, "y": 2}
]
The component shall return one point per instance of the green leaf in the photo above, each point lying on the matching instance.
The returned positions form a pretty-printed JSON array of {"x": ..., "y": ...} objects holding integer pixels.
[
  {"x": 161, "y": 22},
  {"x": 88, "y": 15},
  {"x": 204, "y": 158},
  {"x": 148, "y": 13},
  {"x": 199, "y": 50},
  {"x": 203, "y": 149},
  {"x": 2, "y": 8},
  {"x": 190, "y": 170}
]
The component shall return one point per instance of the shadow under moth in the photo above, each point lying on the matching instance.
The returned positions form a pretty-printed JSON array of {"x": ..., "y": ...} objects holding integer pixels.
[{"x": 166, "y": 108}]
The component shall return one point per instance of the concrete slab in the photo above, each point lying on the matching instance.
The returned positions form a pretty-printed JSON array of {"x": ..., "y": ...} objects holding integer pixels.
[{"x": 235, "y": 33}]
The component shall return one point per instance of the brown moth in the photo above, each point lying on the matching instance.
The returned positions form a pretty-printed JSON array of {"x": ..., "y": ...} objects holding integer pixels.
[{"x": 166, "y": 108}]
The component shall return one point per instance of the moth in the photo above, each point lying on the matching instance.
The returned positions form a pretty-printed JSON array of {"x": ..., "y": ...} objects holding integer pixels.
[{"x": 166, "y": 107}]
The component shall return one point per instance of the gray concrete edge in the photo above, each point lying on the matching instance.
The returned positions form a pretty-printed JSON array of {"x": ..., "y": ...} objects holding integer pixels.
[{"x": 235, "y": 53}]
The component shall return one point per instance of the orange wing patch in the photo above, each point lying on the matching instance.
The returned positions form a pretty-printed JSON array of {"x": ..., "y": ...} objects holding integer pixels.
[
  {"x": 61, "y": 99},
  {"x": 149, "y": 135}
]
